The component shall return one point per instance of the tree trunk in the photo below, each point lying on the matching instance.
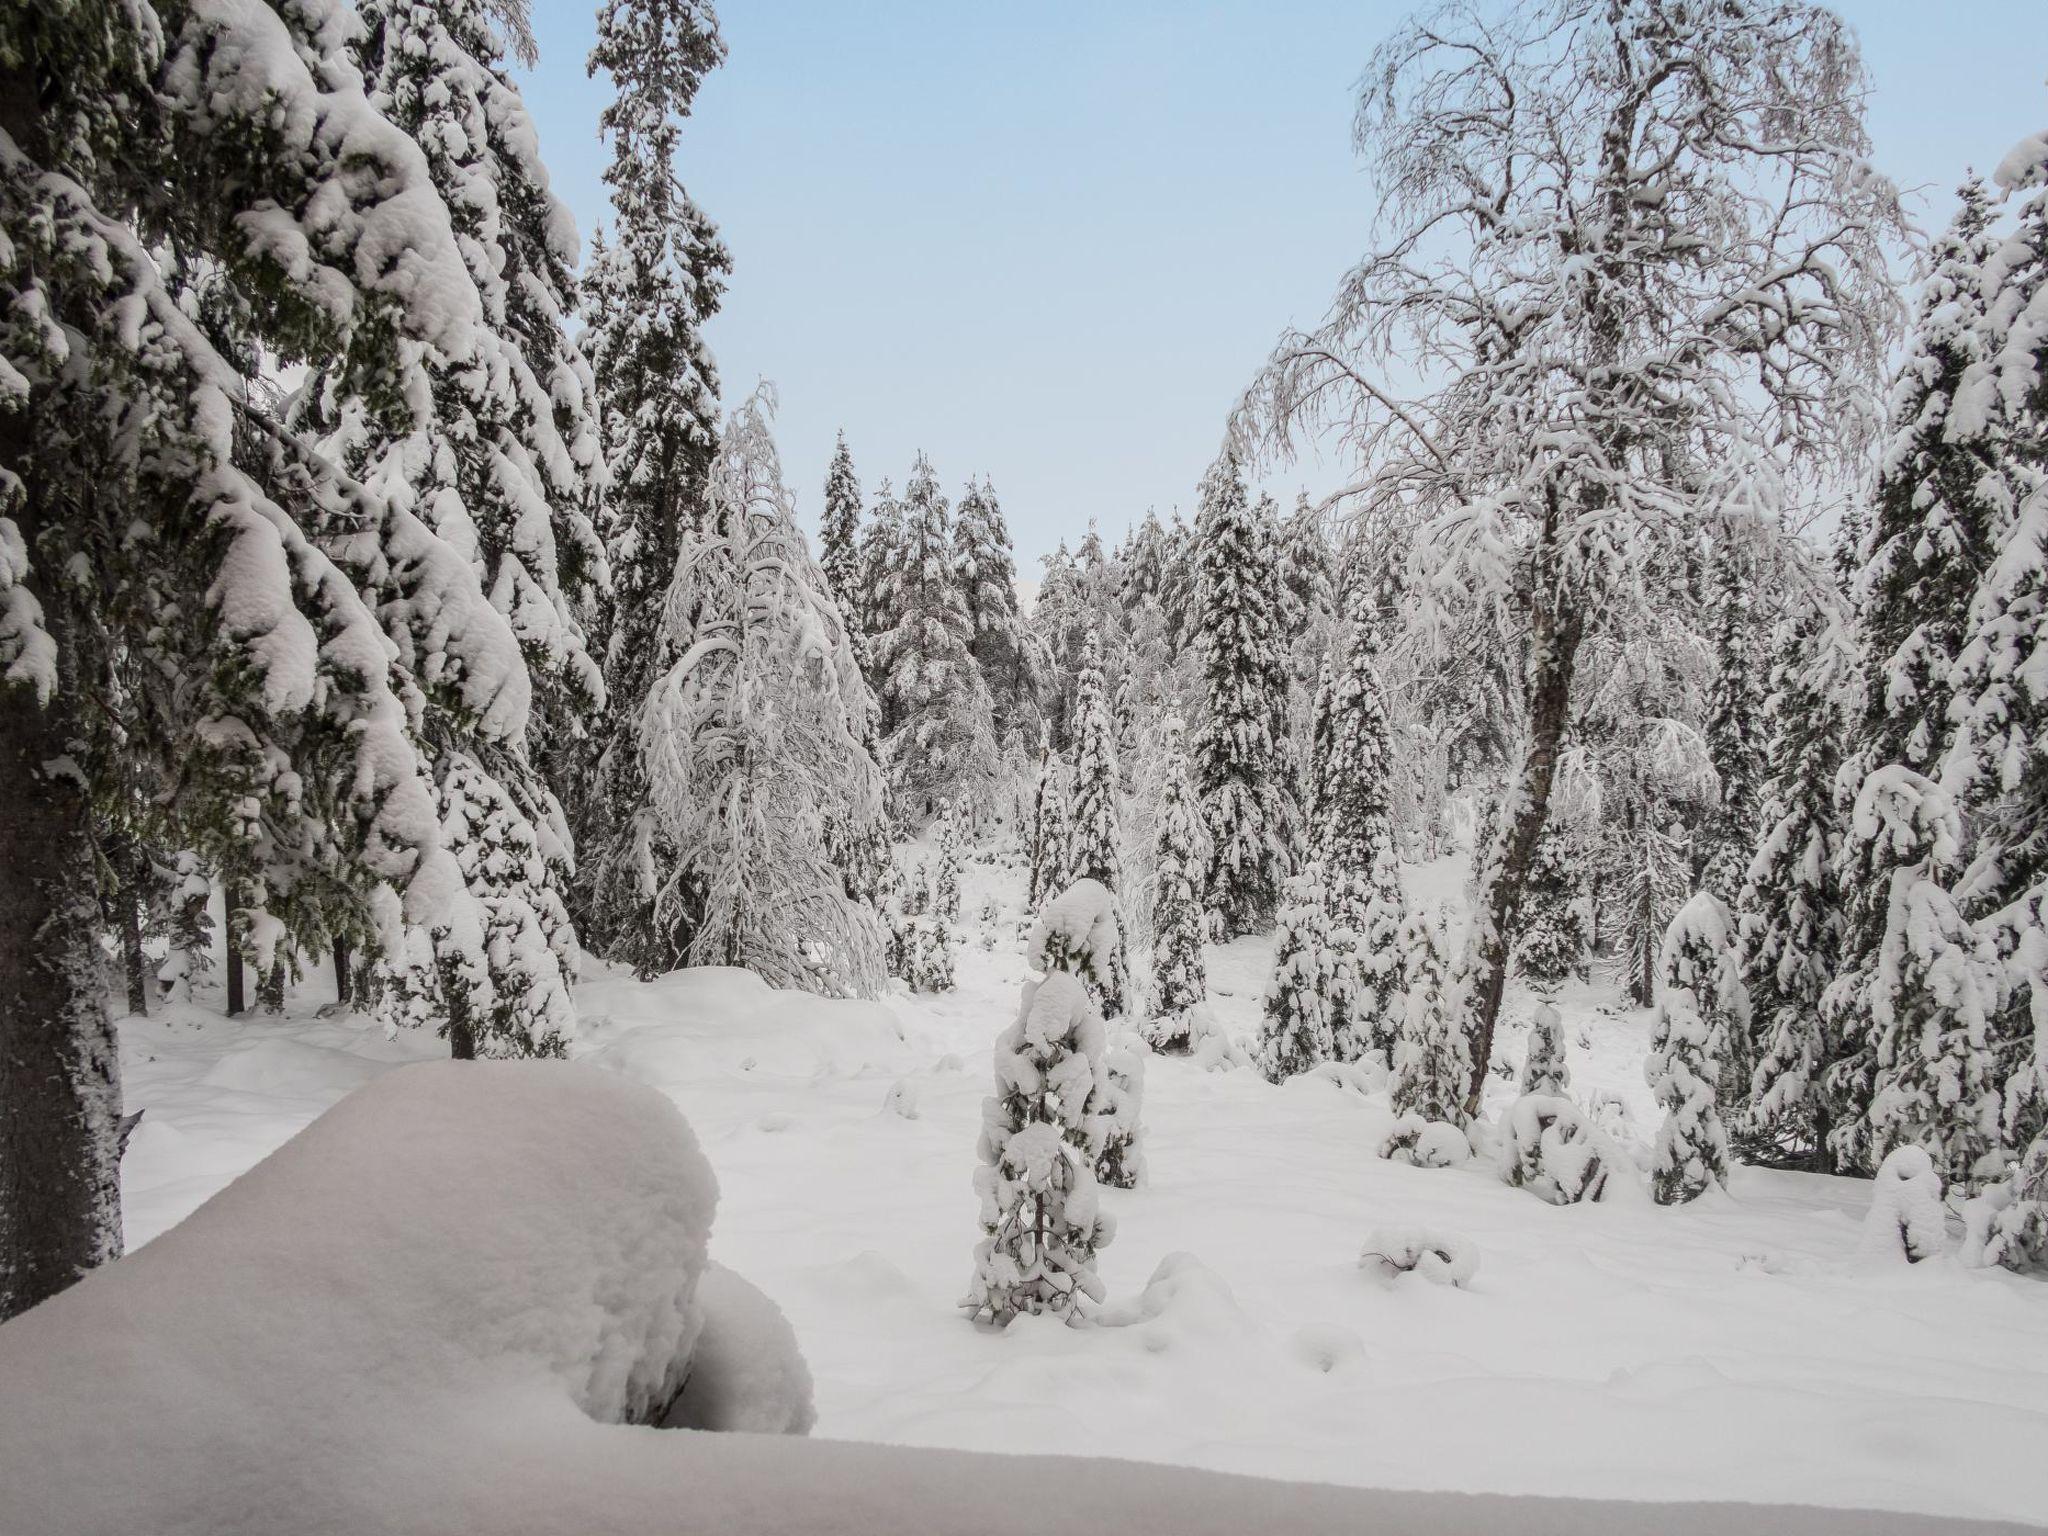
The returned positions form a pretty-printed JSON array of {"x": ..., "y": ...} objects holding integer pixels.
[
  {"x": 236, "y": 1002},
  {"x": 133, "y": 961},
  {"x": 1556, "y": 626},
  {"x": 60, "y": 1086},
  {"x": 341, "y": 976}
]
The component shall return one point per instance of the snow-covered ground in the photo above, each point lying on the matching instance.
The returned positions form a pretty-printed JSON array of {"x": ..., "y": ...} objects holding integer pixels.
[{"x": 1738, "y": 1348}]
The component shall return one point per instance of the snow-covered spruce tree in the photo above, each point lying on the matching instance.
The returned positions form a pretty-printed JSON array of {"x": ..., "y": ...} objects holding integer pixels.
[
  {"x": 1079, "y": 932},
  {"x": 1995, "y": 763},
  {"x": 752, "y": 743},
  {"x": 504, "y": 461},
  {"x": 1556, "y": 937},
  {"x": 160, "y": 591},
  {"x": 1093, "y": 837},
  {"x": 946, "y": 891},
  {"x": 1351, "y": 835},
  {"x": 648, "y": 296},
  {"x": 839, "y": 537},
  {"x": 938, "y": 738},
  {"x": 1735, "y": 733},
  {"x": 1918, "y": 988},
  {"x": 1179, "y": 981},
  {"x": 1650, "y": 862},
  {"x": 1004, "y": 648},
  {"x": 1545, "y": 1069},
  {"x": 1432, "y": 1065},
  {"x": 1700, "y": 997},
  {"x": 1294, "y": 1034},
  {"x": 1041, "y": 1213},
  {"x": 1237, "y": 761},
  {"x": 1638, "y": 305},
  {"x": 1051, "y": 871},
  {"x": 1791, "y": 908}
]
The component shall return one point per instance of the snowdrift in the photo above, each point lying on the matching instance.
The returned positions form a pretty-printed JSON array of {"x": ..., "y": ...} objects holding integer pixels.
[{"x": 442, "y": 1307}]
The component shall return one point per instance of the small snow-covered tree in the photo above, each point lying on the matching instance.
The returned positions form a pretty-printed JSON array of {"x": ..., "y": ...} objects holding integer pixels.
[
  {"x": 1432, "y": 1065},
  {"x": 753, "y": 740},
  {"x": 1914, "y": 1001},
  {"x": 1651, "y": 861},
  {"x": 1051, "y": 870},
  {"x": 1179, "y": 980},
  {"x": 1556, "y": 935},
  {"x": 1546, "y": 1147},
  {"x": 1544, "y": 1067},
  {"x": 1237, "y": 756},
  {"x": 1295, "y": 1032},
  {"x": 946, "y": 894},
  {"x": 1041, "y": 1215},
  {"x": 1699, "y": 999},
  {"x": 1093, "y": 838},
  {"x": 938, "y": 732},
  {"x": 1906, "y": 1219}
]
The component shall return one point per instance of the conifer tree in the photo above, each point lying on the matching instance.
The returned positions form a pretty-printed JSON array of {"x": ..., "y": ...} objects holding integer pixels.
[
  {"x": 1003, "y": 645},
  {"x": 1545, "y": 1069},
  {"x": 1734, "y": 735},
  {"x": 1557, "y": 914},
  {"x": 946, "y": 898},
  {"x": 162, "y": 592},
  {"x": 1179, "y": 979},
  {"x": 1051, "y": 868},
  {"x": 1700, "y": 997},
  {"x": 1652, "y": 876},
  {"x": 1294, "y": 1034},
  {"x": 1094, "y": 837},
  {"x": 650, "y": 292},
  {"x": 1792, "y": 917},
  {"x": 1041, "y": 1214},
  {"x": 1432, "y": 1061},
  {"x": 939, "y": 738},
  {"x": 839, "y": 535},
  {"x": 1081, "y": 932},
  {"x": 1238, "y": 765},
  {"x": 1914, "y": 1012}
]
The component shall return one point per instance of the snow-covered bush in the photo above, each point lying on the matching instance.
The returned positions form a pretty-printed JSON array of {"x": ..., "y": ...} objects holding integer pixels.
[
  {"x": 1425, "y": 1143},
  {"x": 1544, "y": 1068},
  {"x": 931, "y": 954},
  {"x": 1121, "y": 1163},
  {"x": 901, "y": 1099},
  {"x": 1040, "y": 1211},
  {"x": 1905, "y": 1218},
  {"x": 1438, "y": 1257},
  {"x": 1432, "y": 1062},
  {"x": 1699, "y": 1002},
  {"x": 1079, "y": 934},
  {"x": 1547, "y": 1147},
  {"x": 1295, "y": 1032},
  {"x": 2009, "y": 1222}
]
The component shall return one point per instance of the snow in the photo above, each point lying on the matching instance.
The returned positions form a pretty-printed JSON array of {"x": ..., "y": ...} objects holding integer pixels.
[{"x": 1594, "y": 1353}]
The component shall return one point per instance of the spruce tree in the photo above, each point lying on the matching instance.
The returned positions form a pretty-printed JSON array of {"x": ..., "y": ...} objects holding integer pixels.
[
  {"x": 1545, "y": 1069},
  {"x": 1700, "y": 997},
  {"x": 1051, "y": 832},
  {"x": 1081, "y": 931},
  {"x": 1556, "y": 938},
  {"x": 1004, "y": 648},
  {"x": 839, "y": 534},
  {"x": 1238, "y": 764},
  {"x": 650, "y": 292},
  {"x": 1792, "y": 917},
  {"x": 1432, "y": 1064},
  {"x": 1735, "y": 740},
  {"x": 1094, "y": 836},
  {"x": 939, "y": 738},
  {"x": 163, "y": 596},
  {"x": 1179, "y": 980},
  {"x": 1294, "y": 1034}
]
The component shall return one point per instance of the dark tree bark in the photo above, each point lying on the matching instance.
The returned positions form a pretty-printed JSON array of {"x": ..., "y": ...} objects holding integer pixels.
[
  {"x": 237, "y": 1004},
  {"x": 128, "y": 863},
  {"x": 342, "y": 984}
]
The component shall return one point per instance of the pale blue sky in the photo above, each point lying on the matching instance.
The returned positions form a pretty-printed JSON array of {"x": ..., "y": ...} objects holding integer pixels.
[{"x": 1052, "y": 242}]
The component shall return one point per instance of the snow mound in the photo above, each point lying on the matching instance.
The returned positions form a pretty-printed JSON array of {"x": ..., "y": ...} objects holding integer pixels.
[
  {"x": 1548, "y": 1148},
  {"x": 746, "y": 1372},
  {"x": 1426, "y": 1143},
  {"x": 1438, "y": 1257},
  {"x": 1905, "y": 1219},
  {"x": 901, "y": 1099},
  {"x": 1185, "y": 1303},
  {"x": 290, "y": 1069},
  {"x": 518, "y": 1241}
]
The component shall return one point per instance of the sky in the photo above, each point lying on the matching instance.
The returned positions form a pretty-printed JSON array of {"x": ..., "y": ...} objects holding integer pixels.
[{"x": 1051, "y": 243}]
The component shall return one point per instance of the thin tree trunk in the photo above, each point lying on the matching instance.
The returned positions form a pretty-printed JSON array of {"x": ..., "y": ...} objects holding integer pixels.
[
  {"x": 236, "y": 1002},
  {"x": 1556, "y": 628},
  {"x": 60, "y": 1086},
  {"x": 342, "y": 988}
]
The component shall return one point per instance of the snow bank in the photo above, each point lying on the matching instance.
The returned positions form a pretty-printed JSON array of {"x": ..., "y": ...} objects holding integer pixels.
[
  {"x": 746, "y": 1372},
  {"x": 518, "y": 1242},
  {"x": 1905, "y": 1220}
]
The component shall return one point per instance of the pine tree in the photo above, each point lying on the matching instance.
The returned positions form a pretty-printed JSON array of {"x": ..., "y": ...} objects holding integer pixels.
[
  {"x": 839, "y": 535},
  {"x": 939, "y": 739},
  {"x": 162, "y": 595},
  {"x": 1545, "y": 1069},
  {"x": 1081, "y": 932},
  {"x": 946, "y": 897},
  {"x": 649, "y": 295},
  {"x": 1791, "y": 903},
  {"x": 1237, "y": 756},
  {"x": 1094, "y": 837},
  {"x": 1556, "y": 936},
  {"x": 1914, "y": 1011},
  {"x": 1432, "y": 1061},
  {"x": 1003, "y": 646},
  {"x": 1701, "y": 995},
  {"x": 1041, "y": 1215},
  {"x": 1734, "y": 735},
  {"x": 1051, "y": 867},
  {"x": 1652, "y": 869},
  {"x": 1179, "y": 980},
  {"x": 1295, "y": 1033},
  {"x": 752, "y": 742}
]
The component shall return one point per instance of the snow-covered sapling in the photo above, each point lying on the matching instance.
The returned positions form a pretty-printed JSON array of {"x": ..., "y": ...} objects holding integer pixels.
[
  {"x": 1179, "y": 980},
  {"x": 1078, "y": 934},
  {"x": 1041, "y": 1216},
  {"x": 1432, "y": 1062},
  {"x": 1544, "y": 1069},
  {"x": 1546, "y": 1147},
  {"x": 1699, "y": 1001},
  {"x": 1295, "y": 1032},
  {"x": 1438, "y": 1257},
  {"x": 1905, "y": 1219}
]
